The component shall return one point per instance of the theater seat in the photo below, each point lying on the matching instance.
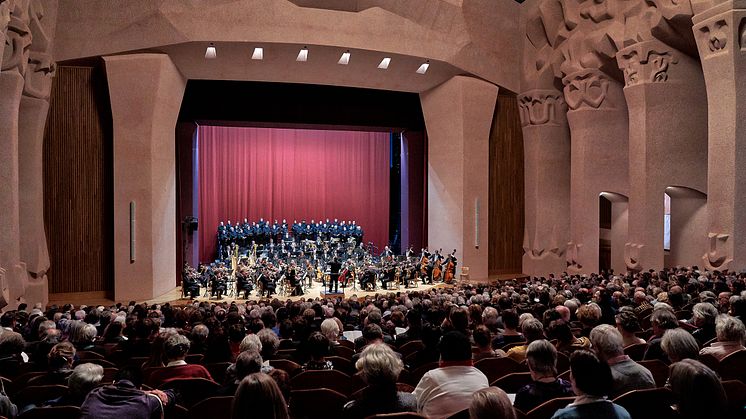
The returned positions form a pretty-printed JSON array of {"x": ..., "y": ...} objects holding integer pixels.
[
  {"x": 648, "y": 403},
  {"x": 546, "y": 410},
  {"x": 191, "y": 390},
  {"x": 411, "y": 347},
  {"x": 38, "y": 394},
  {"x": 216, "y": 407},
  {"x": 636, "y": 351},
  {"x": 317, "y": 403},
  {"x": 658, "y": 368},
  {"x": 400, "y": 415},
  {"x": 735, "y": 390},
  {"x": 217, "y": 371},
  {"x": 290, "y": 367},
  {"x": 56, "y": 412},
  {"x": 733, "y": 366},
  {"x": 495, "y": 368},
  {"x": 330, "y": 379},
  {"x": 512, "y": 382}
]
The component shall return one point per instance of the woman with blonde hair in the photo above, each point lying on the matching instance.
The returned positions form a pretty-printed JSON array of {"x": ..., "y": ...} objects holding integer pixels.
[{"x": 258, "y": 396}]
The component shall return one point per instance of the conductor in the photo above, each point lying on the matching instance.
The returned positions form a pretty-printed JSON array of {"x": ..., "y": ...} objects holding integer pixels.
[{"x": 334, "y": 267}]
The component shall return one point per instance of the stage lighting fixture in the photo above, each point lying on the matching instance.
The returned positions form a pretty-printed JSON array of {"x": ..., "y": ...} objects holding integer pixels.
[
  {"x": 303, "y": 54},
  {"x": 211, "y": 52},
  {"x": 423, "y": 68},
  {"x": 345, "y": 58},
  {"x": 258, "y": 54},
  {"x": 384, "y": 63}
]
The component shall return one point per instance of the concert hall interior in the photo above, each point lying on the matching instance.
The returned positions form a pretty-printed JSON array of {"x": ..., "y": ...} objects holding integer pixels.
[{"x": 550, "y": 185}]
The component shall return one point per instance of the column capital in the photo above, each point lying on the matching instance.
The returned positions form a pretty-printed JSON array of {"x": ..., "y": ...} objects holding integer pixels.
[
  {"x": 542, "y": 107},
  {"x": 648, "y": 62},
  {"x": 721, "y": 30}
]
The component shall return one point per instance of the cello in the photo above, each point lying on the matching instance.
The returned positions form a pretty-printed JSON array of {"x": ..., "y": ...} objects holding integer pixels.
[{"x": 450, "y": 271}]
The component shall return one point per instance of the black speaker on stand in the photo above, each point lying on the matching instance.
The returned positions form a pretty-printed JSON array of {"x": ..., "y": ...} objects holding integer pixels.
[{"x": 188, "y": 226}]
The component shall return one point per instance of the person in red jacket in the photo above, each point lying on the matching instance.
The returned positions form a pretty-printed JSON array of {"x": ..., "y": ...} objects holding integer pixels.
[{"x": 176, "y": 348}]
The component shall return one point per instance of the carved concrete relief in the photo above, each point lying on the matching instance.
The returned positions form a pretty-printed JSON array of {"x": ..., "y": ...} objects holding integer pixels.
[
  {"x": 42, "y": 67},
  {"x": 539, "y": 107},
  {"x": 573, "y": 257},
  {"x": 4, "y": 19},
  {"x": 717, "y": 257},
  {"x": 646, "y": 62},
  {"x": 18, "y": 39},
  {"x": 742, "y": 32},
  {"x": 714, "y": 36},
  {"x": 632, "y": 256},
  {"x": 587, "y": 89}
]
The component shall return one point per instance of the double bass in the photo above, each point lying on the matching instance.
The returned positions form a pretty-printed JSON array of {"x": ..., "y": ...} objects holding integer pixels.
[{"x": 450, "y": 271}]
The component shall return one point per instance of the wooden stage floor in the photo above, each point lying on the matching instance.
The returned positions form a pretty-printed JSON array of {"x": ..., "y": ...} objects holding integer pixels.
[{"x": 174, "y": 296}]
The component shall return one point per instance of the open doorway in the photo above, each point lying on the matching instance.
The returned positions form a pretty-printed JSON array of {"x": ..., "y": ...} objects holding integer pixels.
[
  {"x": 686, "y": 232},
  {"x": 613, "y": 221}
]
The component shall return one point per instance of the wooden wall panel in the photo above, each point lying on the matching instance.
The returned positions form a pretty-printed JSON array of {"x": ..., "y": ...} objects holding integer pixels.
[
  {"x": 506, "y": 188},
  {"x": 78, "y": 182}
]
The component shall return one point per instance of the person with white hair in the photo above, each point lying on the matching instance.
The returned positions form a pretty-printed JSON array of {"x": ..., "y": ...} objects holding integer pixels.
[
  {"x": 541, "y": 358},
  {"x": 83, "y": 379},
  {"x": 703, "y": 317},
  {"x": 250, "y": 343},
  {"x": 330, "y": 329},
  {"x": 679, "y": 344},
  {"x": 730, "y": 333},
  {"x": 627, "y": 374}
]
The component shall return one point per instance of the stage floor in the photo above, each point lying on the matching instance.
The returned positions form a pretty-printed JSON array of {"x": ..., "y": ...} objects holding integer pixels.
[{"x": 174, "y": 296}]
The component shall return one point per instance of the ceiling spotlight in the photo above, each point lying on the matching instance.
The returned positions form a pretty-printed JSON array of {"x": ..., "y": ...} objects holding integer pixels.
[
  {"x": 303, "y": 54},
  {"x": 384, "y": 63},
  {"x": 345, "y": 58},
  {"x": 423, "y": 68},
  {"x": 211, "y": 52},
  {"x": 258, "y": 54}
]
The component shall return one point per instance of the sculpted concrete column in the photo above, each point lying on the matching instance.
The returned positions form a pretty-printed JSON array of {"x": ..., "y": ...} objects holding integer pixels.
[
  {"x": 12, "y": 70},
  {"x": 458, "y": 115},
  {"x": 665, "y": 96},
  {"x": 720, "y": 32},
  {"x": 146, "y": 92},
  {"x": 546, "y": 145},
  {"x": 32, "y": 120},
  {"x": 598, "y": 129}
]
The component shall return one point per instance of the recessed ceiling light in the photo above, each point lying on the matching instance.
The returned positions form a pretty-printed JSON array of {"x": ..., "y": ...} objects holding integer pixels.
[
  {"x": 258, "y": 54},
  {"x": 211, "y": 52},
  {"x": 384, "y": 63},
  {"x": 303, "y": 54},
  {"x": 345, "y": 58},
  {"x": 423, "y": 68}
]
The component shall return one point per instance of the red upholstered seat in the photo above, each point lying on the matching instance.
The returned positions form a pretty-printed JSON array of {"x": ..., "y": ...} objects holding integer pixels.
[
  {"x": 321, "y": 403},
  {"x": 213, "y": 407},
  {"x": 546, "y": 410},
  {"x": 38, "y": 394},
  {"x": 331, "y": 379},
  {"x": 290, "y": 367},
  {"x": 659, "y": 369},
  {"x": 733, "y": 366},
  {"x": 636, "y": 351},
  {"x": 495, "y": 368},
  {"x": 191, "y": 390},
  {"x": 512, "y": 382},
  {"x": 56, "y": 412},
  {"x": 648, "y": 403},
  {"x": 411, "y": 347}
]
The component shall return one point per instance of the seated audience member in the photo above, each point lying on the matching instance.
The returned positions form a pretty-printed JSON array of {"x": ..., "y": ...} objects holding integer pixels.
[
  {"x": 330, "y": 329},
  {"x": 258, "y": 396},
  {"x": 430, "y": 338},
  {"x": 567, "y": 343},
  {"x": 379, "y": 368},
  {"x": 49, "y": 336},
  {"x": 270, "y": 344},
  {"x": 482, "y": 339},
  {"x": 591, "y": 381},
  {"x": 282, "y": 378},
  {"x": 703, "y": 317},
  {"x": 661, "y": 320},
  {"x": 541, "y": 358},
  {"x": 698, "y": 391},
  {"x": 59, "y": 365},
  {"x": 84, "y": 378},
  {"x": 627, "y": 374},
  {"x": 12, "y": 345},
  {"x": 679, "y": 344},
  {"x": 198, "y": 338},
  {"x": 247, "y": 362},
  {"x": 448, "y": 389},
  {"x": 730, "y": 334},
  {"x": 533, "y": 330},
  {"x": 113, "y": 332},
  {"x": 589, "y": 316},
  {"x": 176, "y": 347},
  {"x": 124, "y": 399},
  {"x": 491, "y": 403},
  {"x": 414, "y": 328},
  {"x": 510, "y": 333},
  {"x": 318, "y": 349},
  {"x": 157, "y": 356},
  {"x": 627, "y": 324}
]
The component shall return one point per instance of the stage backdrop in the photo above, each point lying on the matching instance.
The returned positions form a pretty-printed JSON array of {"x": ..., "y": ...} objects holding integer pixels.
[{"x": 292, "y": 174}]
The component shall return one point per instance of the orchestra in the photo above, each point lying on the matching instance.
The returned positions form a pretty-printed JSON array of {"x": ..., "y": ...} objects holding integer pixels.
[{"x": 287, "y": 261}]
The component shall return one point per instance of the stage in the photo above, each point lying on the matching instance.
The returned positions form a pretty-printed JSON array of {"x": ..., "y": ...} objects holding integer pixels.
[{"x": 174, "y": 296}]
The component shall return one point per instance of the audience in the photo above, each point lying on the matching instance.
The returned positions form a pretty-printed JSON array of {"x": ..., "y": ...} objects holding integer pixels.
[
  {"x": 379, "y": 368},
  {"x": 592, "y": 382},
  {"x": 541, "y": 358},
  {"x": 448, "y": 389},
  {"x": 698, "y": 391},
  {"x": 730, "y": 333},
  {"x": 491, "y": 403},
  {"x": 475, "y": 321},
  {"x": 626, "y": 374},
  {"x": 258, "y": 395}
]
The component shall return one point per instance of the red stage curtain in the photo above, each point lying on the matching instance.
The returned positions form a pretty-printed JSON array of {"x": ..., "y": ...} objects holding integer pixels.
[{"x": 292, "y": 174}]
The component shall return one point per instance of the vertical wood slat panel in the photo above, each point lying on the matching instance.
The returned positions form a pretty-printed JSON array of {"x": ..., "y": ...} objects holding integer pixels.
[
  {"x": 506, "y": 210},
  {"x": 77, "y": 183}
]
